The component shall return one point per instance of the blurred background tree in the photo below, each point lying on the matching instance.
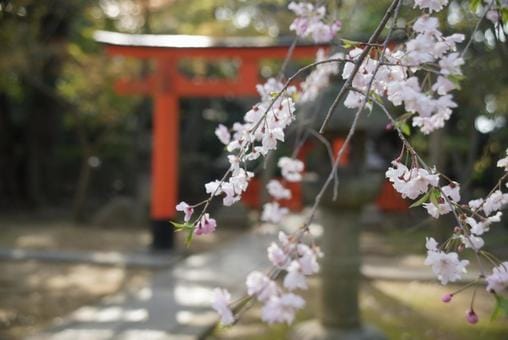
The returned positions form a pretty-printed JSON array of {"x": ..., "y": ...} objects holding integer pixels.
[{"x": 67, "y": 141}]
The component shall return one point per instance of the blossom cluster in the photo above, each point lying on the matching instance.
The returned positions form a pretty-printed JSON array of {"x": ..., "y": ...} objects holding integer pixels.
[
  {"x": 391, "y": 73},
  {"x": 446, "y": 266},
  {"x": 395, "y": 75},
  {"x": 262, "y": 129},
  {"x": 411, "y": 183},
  {"x": 280, "y": 303},
  {"x": 477, "y": 216},
  {"x": 309, "y": 21},
  {"x": 291, "y": 170}
]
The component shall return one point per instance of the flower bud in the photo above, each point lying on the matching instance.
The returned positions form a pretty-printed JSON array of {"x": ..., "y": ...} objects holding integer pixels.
[
  {"x": 447, "y": 298},
  {"x": 460, "y": 248},
  {"x": 471, "y": 317},
  {"x": 457, "y": 230}
]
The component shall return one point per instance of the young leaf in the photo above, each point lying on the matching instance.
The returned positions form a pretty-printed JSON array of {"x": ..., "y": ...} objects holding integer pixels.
[
  {"x": 181, "y": 226},
  {"x": 473, "y": 5},
  {"x": 404, "y": 127},
  {"x": 348, "y": 43},
  {"x": 188, "y": 239},
  {"x": 435, "y": 195},
  {"x": 422, "y": 200},
  {"x": 500, "y": 308}
]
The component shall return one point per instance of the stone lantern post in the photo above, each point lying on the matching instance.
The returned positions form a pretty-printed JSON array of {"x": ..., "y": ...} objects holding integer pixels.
[{"x": 339, "y": 315}]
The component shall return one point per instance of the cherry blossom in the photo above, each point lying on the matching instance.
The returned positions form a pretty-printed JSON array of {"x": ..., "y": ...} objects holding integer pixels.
[
  {"x": 436, "y": 210},
  {"x": 498, "y": 280},
  {"x": 277, "y": 190},
  {"x": 411, "y": 183},
  {"x": 220, "y": 302},
  {"x": 291, "y": 169},
  {"x": 307, "y": 260},
  {"x": 309, "y": 22},
  {"x": 472, "y": 241},
  {"x": 503, "y": 162},
  {"x": 277, "y": 256},
  {"x": 186, "y": 209},
  {"x": 205, "y": 226},
  {"x": 281, "y": 308},
  {"x": 295, "y": 279},
  {"x": 482, "y": 226},
  {"x": 446, "y": 266},
  {"x": 494, "y": 202},
  {"x": 452, "y": 190},
  {"x": 431, "y": 5},
  {"x": 259, "y": 285},
  {"x": 417, "y": 76},
  {"x": 273, "y": 212},
  {"x": 223, "y": 134}
]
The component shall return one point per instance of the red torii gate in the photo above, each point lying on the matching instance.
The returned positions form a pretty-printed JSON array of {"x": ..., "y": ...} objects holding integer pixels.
[{"x": 167, "y": 85}]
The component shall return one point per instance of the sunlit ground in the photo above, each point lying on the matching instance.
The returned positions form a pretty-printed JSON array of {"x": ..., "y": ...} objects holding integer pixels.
[
  {"x": 33, "y": 294},
  {"x": 401, "y": 310}
]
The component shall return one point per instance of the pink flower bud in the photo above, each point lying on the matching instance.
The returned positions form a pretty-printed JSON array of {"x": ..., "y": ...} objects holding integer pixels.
[
  {"x": 447, "y": 298},
  {"x": 457, "y": 230},
  {"x": 471, "y": 317},
  {"x": 389, "y": 127}
]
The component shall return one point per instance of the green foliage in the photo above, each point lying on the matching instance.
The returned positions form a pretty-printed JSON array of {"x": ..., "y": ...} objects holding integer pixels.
[
  {"x": 432, "y": 195},
  {"x": 501, "y": 307},
  {"x": 474, "y": 4}
]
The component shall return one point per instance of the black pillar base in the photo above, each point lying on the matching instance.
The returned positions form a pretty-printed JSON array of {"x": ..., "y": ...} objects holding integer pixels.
[{"x": 163, "y": 235}]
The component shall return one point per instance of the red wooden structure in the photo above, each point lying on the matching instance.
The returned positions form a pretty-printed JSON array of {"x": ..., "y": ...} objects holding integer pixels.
[{"x": 167, "y": 85}]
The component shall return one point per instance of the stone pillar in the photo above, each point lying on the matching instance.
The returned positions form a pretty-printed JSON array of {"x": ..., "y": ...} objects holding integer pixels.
[
  {"x": 340, "y": 268},
  {"x": 339, "y": 317}
]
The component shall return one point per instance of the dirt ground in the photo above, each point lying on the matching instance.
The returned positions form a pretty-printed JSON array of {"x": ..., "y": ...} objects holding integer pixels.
[
  {"x": 34, "y": 294},
  {"x": 400, "y": 310}
]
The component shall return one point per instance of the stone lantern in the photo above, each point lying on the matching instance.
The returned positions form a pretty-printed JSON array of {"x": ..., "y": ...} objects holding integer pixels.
[{"x": 339, "y": 316}]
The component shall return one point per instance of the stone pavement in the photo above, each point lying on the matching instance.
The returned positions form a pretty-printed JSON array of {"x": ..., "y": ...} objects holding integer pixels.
[
  {"x": 139, "y": 259},
  {"x": 176, "y": 304}
]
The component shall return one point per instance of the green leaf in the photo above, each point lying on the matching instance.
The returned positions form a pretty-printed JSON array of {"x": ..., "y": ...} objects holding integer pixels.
[
  {"x": 405, "y": 117},
  {"x": 405, "y": 128},
  {"x": 188, "y": 239},
  {"x": 473, "y": 5},
  {"x": 182, "y": 226},
  {"x": 349, "y": 43},
  {"x": 435, "y": 195},
  {"x": 504, "y": 14},
  {"x": 422, "y": 200},
  {"x": 500, "y": 308}
]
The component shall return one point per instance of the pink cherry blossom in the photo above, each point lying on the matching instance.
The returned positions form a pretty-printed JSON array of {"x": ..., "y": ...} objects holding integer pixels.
[
  {"x": 186, "y": 209},
  {"x": 498, "y": 280},
  {"x": 277, "y": 190},
  {"x": 222, "y": 133},
  {"x": 291, "y": 169},
  {"x": 273, "y": 212},
  {"x": 220, "y": 302},
  {"x": 205, "y": 226},
  {"x": 259, "y": 285},
  {"x": 282, "y": 308},
  {"x": 446, "y": 266}
]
